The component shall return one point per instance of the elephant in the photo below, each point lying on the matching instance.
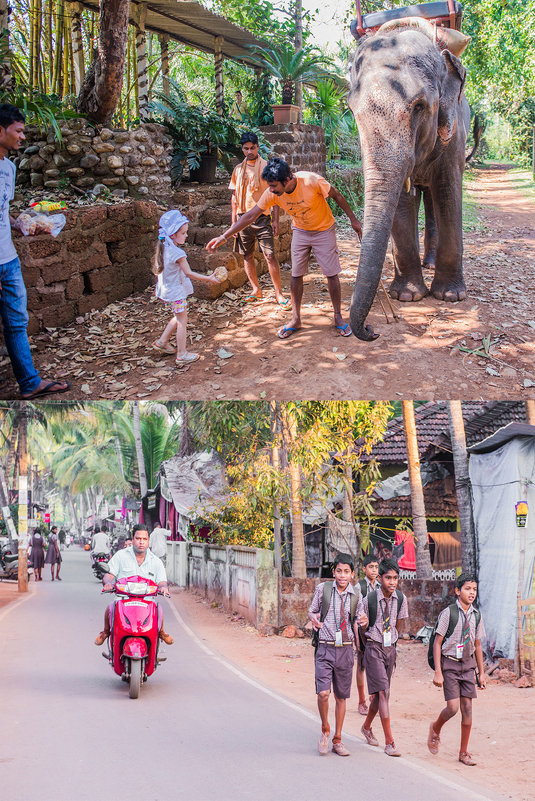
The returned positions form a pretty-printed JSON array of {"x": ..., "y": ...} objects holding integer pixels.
[{"x": 407, "y": 98}]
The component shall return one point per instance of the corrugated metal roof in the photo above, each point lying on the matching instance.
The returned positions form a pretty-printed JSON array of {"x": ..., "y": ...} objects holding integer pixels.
[
  {"x": 196, "y": 26},
  {"x": 195, "y": 482}
]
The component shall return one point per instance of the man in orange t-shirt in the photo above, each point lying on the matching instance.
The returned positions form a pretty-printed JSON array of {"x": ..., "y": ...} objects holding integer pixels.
[{"x": 303, "y": 195}]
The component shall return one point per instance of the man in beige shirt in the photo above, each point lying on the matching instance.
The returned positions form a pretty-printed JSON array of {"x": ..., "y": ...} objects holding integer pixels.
[{"x": 247, "y": 187}]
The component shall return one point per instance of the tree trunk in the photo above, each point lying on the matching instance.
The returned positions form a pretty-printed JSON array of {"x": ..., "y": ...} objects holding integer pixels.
[
  {"x": 462, "y": 486},
  {"x": 6, "y": 77},
  {"x": 23, "y": 498},
  {"x": 102, "y": 85},
  {"x": 423, "y": 560},
  {"x": 139, "y": 450},
  {"x": 530, "y": 412},
  {"x": 275, "y": 461},
  {"x": 299, "y": 569},
  {"x": 298, "y": 19}
]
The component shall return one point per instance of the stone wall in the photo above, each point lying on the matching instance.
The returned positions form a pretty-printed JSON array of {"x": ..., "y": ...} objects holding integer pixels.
[
  {"x": 102, "y": 255},
  {"x": 425, "y": 599},
  {"x": 135, "y": 162},
  {"x": 302, "y": 146}
]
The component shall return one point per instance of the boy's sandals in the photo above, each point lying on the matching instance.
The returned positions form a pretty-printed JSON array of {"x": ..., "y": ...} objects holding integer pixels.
[
  {"x": 466, "y": 758},
  {"x": 391, "y": 750},
  {"x": 252, "y": 298},
  {"x": 323, "y": 744},
  {"x": 167, "y": 348},
  {"x": 369, "y": 736},
  {"x": 433, "y": 740},
  {"x": 186, "y": 358},
  {"x": 340, "y": 749}
]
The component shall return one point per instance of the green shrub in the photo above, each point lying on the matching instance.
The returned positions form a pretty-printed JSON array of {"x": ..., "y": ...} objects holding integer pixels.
[{"x": 349, "y": 181}]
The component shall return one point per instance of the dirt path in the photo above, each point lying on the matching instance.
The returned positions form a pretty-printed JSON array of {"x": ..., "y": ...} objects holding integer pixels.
[
  {"x": 108, "y": 355},
  {"x": 503, "y": 730}
]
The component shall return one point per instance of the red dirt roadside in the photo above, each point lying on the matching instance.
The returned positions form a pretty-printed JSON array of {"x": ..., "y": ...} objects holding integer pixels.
[{"x": 504, "y": 728}]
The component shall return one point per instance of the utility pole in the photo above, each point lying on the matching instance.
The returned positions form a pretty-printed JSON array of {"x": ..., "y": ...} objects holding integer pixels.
[{"x": 23, "y": 498}]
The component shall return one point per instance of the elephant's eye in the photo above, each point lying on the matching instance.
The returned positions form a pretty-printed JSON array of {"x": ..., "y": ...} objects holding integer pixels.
[{"x": 418, "y": 108}]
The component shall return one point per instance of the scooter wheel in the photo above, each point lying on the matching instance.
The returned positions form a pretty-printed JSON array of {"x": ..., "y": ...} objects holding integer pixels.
[{"x": 136, "y": 678}]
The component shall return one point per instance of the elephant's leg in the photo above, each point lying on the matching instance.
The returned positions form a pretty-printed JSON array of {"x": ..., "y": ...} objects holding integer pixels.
[
  {"x": 408, "y": 283},
  {"x": 448, "y": 283},
  {"x": 431, "y": 232}
]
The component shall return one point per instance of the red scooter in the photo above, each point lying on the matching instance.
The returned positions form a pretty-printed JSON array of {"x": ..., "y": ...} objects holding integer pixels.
[{"x": 135, "y": 625}]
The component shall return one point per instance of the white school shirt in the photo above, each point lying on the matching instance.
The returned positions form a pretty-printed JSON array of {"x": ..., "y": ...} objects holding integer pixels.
[
  {"x": 7, "y": 193},
  {"x": 123, "y": 564},
  {"x": 172, "y": 283}
]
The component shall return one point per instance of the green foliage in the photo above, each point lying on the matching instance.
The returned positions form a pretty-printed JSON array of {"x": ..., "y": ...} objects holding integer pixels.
[
  {"x": 197, "y": 130},
  {"x": 45, "y": 111},
  {"x": 349, "y": 181}
]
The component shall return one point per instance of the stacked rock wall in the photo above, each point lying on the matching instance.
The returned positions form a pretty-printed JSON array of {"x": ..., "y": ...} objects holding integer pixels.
[
  {"x": 135, "y": 162},
  {"x": 302, "y": 146},
  {"x": 102, "y": 255}
]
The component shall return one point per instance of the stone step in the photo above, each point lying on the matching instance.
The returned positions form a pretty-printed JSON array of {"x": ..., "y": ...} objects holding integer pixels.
[
  {"x": 220, "y": 215},
  {"x": 201, "y": 235}
]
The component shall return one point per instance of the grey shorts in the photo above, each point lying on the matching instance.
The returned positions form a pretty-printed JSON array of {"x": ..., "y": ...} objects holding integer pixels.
[
  {"x": 379, "y": 662},
  {"x": 334, "y": 666},
  {"x": 459, "y": 678},
  {"x": 322, "y": 244},
  {"x": 260, "y": 230}
]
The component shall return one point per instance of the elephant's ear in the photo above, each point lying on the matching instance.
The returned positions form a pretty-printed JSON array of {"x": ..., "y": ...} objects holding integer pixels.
[{"x": 450, "y": 95}]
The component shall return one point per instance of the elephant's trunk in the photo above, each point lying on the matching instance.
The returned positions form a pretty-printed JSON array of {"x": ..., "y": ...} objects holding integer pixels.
[{"x": 381, "y": 196}]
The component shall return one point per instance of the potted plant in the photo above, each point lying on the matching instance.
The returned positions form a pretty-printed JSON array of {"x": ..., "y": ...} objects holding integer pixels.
[
  {"x": 201, "y": 137},
  {"x": 289, "y": 66}
]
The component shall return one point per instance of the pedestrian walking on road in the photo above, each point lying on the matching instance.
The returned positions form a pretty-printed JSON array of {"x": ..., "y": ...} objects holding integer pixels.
[
  {"x": 456, "y": 652},
  {"x": 53, "y": 555},
  {"x": 335, "y": 610},
  {"x": 37, "y": 546},
  {"x": 385, "y": 609},
  {"x": 368, "y": 583}
]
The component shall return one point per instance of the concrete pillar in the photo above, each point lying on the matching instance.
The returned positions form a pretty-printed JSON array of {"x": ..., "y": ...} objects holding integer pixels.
[
  {"x": 163, "y": 38},
  {"x": 218, "y": 64},
  {"x": 77, "y": 46},
  {"x": 139, "y": 13}
]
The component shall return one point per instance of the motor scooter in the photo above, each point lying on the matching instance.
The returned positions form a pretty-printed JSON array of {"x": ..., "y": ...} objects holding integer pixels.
[
  {"x": 99, "y": 563},
  {"x": 9, "y": 564},
  {"x": 134, "y": 632}
]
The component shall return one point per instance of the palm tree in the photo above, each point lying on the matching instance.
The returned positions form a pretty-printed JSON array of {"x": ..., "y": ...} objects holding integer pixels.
[
  {"x": 289, "y": 66},
  {"x": 423, "y": 559},
  {"x": 462, "y": 485}
]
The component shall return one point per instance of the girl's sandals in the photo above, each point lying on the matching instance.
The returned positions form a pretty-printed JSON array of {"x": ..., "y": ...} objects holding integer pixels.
[
  {"x": 167, "y": 348},
  {"x": 186, "y": 358}
]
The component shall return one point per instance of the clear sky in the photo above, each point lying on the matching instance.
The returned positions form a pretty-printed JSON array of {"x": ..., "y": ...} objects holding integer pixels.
[{"x": 328, "y": 27}]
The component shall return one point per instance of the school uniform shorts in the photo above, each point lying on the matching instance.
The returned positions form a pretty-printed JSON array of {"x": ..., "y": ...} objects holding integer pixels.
[
  {"x": 334, "y": 667},
  {"x": 379, "y": 662},
  {"x": 322, "y": 244},
  {"x": 459, "y": 678}
]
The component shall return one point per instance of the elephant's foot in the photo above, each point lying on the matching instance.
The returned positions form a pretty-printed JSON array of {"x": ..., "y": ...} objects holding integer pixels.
[
  {"x": 429, "y": 262},
  {"x": 451, "y": 290},
  {"x": 408, "y": 289}
]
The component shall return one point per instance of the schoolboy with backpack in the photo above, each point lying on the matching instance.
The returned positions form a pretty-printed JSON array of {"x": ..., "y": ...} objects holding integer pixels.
[
  {"x": 335, "y": 611},
  {"x": 369, "y": 582},
  {"x": 385, "y": 608},
  {"x": 456, "y": 651}
]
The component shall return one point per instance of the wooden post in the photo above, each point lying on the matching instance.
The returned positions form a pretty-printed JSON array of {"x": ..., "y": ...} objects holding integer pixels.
[
  {"x": 163, "y": 38},
  {"x": 77, "y": 46},
  {"x": 140, "y": 17},
  {"x": 530, "y": 410},
  {"x": 218, "y": 64},
  {"x": 423, "y": 560}
]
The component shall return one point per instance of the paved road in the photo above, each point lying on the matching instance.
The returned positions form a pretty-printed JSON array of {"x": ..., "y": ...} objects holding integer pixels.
[{"x": 199, "y": 731}]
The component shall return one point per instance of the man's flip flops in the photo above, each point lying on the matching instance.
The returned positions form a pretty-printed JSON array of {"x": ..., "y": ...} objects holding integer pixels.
[
  {"x": 62, "y": 386},
  {"x": 344, "y": 330},
  {"x": 286, "y": 331}
]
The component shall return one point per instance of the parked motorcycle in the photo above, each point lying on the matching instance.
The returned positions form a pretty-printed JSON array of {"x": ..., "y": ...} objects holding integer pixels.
[
  {"x": 134, "y": 637},
  {"x": 9, "y": 564},
  {"x": 99, "y": 563}
]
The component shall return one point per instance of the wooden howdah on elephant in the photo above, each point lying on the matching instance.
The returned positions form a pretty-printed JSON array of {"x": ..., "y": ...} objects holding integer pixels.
[{"x": 406, "y": 93}]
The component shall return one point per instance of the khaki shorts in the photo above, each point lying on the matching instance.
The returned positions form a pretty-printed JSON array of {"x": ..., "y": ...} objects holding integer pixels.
[
  {"x": 459, "y": 678},
  {"x": 379, "y": 662},
  {"x": 262, "y": 230},
  {"x": 322, "y": 244},
  {"x": 334, "y": 667}
]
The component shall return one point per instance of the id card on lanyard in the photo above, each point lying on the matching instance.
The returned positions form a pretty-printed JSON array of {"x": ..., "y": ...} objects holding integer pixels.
[
  {"x": 338, "y": 641},
  {"x": 387, "y": 631}
]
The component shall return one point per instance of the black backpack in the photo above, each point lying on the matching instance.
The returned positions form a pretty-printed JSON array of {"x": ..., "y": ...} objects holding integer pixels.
[
  {"x": 454, "y": 617},
  {"x": 325, "y": 603},
  {"x": 372, "y": 605}
]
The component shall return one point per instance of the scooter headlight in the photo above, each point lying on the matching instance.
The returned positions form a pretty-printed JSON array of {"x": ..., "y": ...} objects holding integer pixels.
[{"x": 137, "y": 589}]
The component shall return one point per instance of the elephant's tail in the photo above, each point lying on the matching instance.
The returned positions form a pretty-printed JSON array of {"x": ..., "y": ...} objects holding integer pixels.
[{"x": 478, "y": 130}]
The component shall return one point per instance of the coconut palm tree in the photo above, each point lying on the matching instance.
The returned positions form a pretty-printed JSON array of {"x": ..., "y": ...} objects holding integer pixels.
[{"x": 423, "y": 558}]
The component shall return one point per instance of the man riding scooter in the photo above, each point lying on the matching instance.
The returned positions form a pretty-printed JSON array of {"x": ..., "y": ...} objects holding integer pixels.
[{"x": 135, "y": 561}]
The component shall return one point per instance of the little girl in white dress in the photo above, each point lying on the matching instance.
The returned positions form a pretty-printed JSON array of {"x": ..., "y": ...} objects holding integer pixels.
[{"x": 174, "y": 285}]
